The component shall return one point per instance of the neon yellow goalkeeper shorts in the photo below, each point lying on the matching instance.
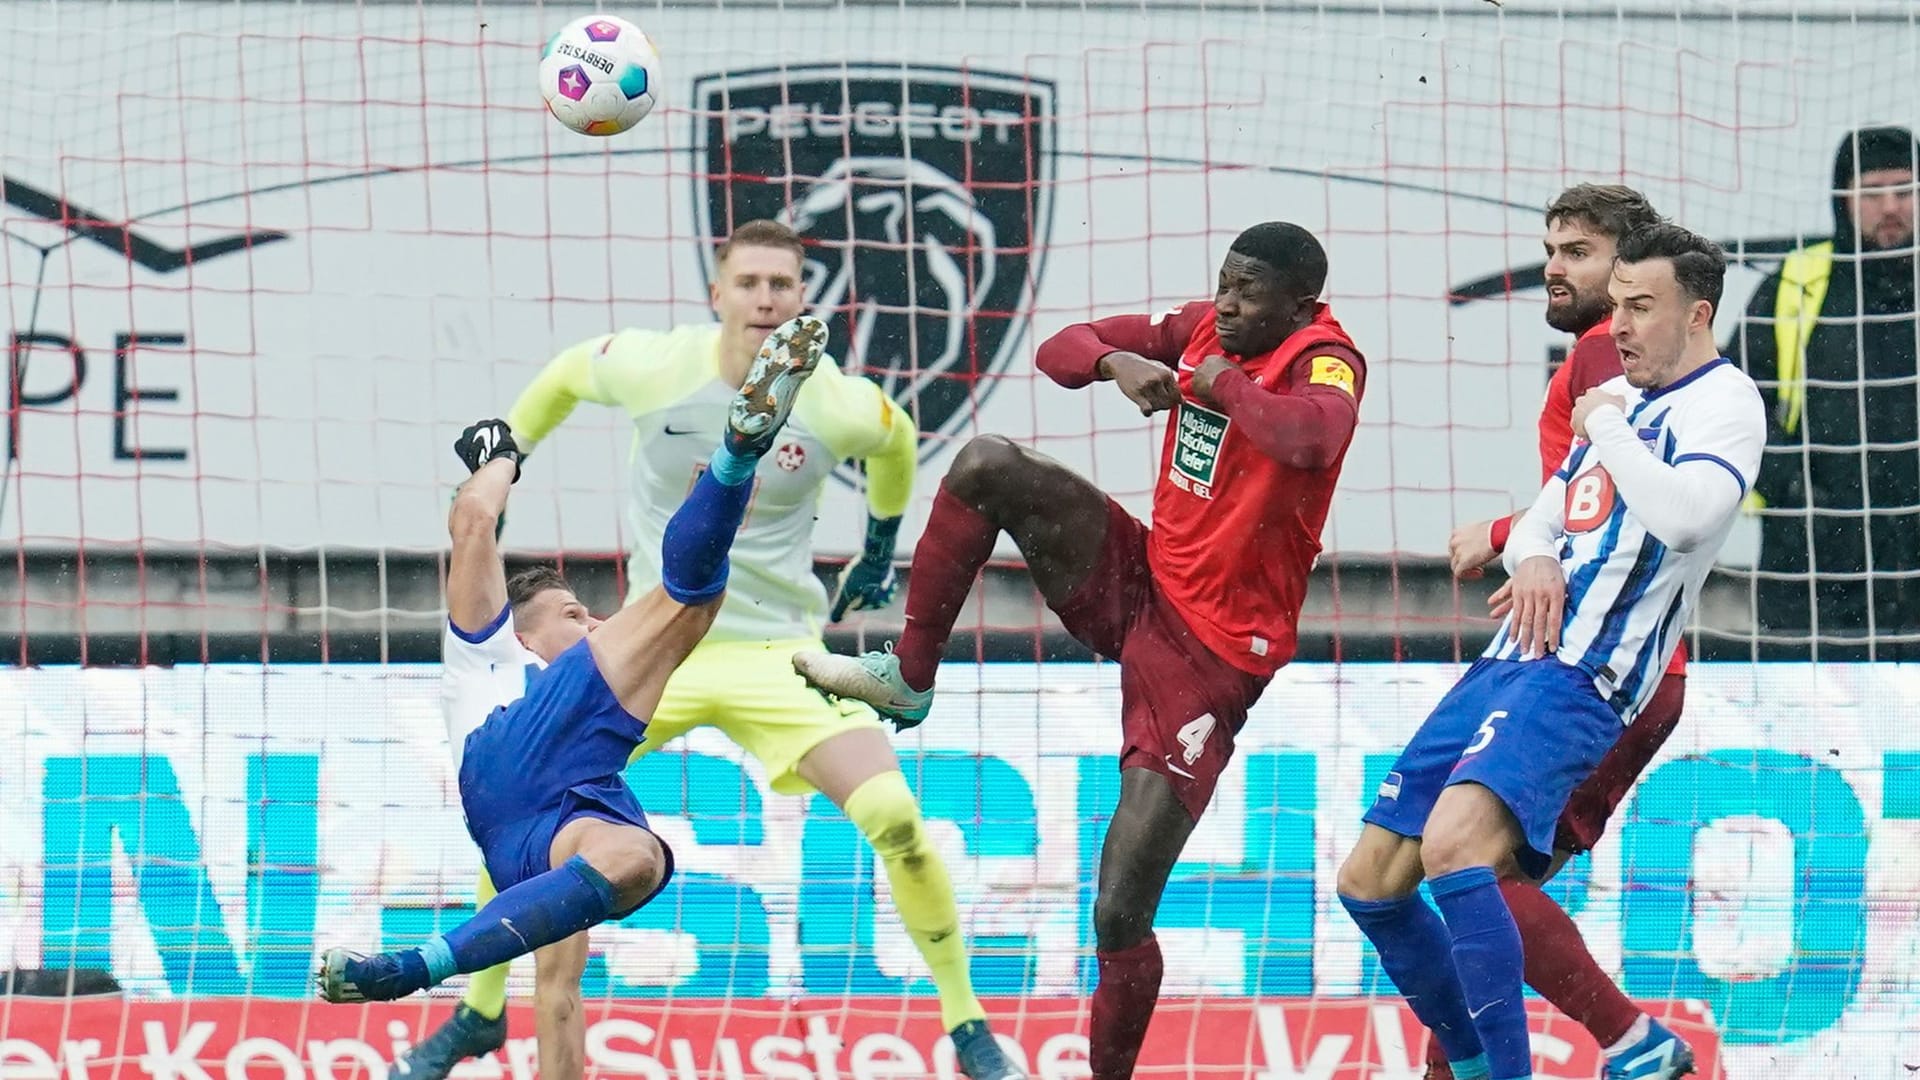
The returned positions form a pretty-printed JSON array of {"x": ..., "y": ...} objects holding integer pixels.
[{"x": 749, "y": 691}]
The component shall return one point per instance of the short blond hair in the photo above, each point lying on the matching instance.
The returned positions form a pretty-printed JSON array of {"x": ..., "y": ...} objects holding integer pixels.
[{"x": 761, "y": 232}]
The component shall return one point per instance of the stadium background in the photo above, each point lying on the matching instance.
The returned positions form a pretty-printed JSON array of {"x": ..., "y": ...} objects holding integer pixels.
[{"x": 263, "y": 260}]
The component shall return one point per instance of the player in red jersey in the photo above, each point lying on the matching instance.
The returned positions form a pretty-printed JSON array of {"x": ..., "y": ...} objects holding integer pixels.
[
  {"x": 1583, "y": 227},
  {"x": 1264, "y": 388}
]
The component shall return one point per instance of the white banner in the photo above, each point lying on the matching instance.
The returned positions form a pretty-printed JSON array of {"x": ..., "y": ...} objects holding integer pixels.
[
  {"x": 203, "y": 831},
  {"x": 263, "y": 261}
]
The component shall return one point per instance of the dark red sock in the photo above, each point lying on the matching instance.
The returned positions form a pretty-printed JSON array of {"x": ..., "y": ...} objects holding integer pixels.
[
  {"x": 1561, "y": 969},
  {"x": 1123, "y": 1002},
  {"x": 957, "y": 542}
]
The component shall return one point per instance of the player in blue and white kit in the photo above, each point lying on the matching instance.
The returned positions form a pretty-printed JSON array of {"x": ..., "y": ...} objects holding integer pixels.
[
  {"x": 561, "y": 835},
  {"x": 499, "y": 633},
  {"x": 1606, "y": 566}
]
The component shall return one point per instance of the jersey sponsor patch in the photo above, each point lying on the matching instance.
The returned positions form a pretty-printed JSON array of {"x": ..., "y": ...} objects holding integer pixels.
[
  {"x": 1332, "y": 371},
  {"x": 1196, "y": 448},
  {"x": 1590, "y": 499}
]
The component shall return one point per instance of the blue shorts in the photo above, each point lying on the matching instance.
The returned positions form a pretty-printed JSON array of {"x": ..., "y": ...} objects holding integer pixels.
[
  {"x": 555, "y": 755},
  {"x": 1527, "y": 730}
]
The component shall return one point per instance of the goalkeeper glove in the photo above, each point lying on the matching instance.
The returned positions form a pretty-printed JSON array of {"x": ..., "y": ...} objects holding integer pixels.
[
  {"x": 486, "y": 440},
  {"x": 869, "y": 582}
]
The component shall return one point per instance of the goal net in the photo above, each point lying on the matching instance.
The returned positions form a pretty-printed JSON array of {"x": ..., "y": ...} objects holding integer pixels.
[{"x": 263, "y": 261}]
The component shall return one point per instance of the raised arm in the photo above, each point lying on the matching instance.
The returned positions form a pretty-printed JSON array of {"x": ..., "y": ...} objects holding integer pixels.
[
  {"x": 1137, "y": 352},
  {"x": 1683, "y": 503},
  {"x": 476, "y": 578},
  {"x": 1308, "y": 426}
]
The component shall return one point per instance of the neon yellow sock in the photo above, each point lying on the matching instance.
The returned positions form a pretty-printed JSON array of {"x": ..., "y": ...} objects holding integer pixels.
[
  {"x": 487, "y": 990},
  {"x": 884, "y": 811}
]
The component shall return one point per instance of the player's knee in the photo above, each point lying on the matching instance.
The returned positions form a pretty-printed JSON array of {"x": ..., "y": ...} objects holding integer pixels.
[
  {"x": 1443, "y": 853},
  {"x": 886, "y": 813},
  {"x": 1359, "y": 878},
  {"x": 900, "y": 838},
  {"x": 1382, "y": 866},
  {"x": 556, "y": 998},
  {"x": 982, "y": 468},
  {"x": 1120, "y": 920},
  {"x": 1508, "y": 868},
  {"x": 636, "y": 868},
  {"x": 1470, "y": 826}
]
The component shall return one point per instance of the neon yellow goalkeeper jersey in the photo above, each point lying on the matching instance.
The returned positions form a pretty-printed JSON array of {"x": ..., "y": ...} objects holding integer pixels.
[{"x": 670, "y": 385}]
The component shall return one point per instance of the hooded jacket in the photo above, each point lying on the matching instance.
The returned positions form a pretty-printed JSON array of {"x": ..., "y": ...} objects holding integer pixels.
[{"x": 1840, "y": 537}]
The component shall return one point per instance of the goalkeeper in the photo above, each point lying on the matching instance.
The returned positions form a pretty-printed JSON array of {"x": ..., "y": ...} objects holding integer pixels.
[{"x": 676, "y": 386}]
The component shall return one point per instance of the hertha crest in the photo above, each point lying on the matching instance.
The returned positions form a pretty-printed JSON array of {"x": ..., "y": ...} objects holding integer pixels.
[{"x": 924, "y": 196}]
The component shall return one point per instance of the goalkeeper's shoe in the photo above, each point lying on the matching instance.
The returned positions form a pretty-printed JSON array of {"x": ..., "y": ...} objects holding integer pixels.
[
  {"x": 347, "y": 978},
  {"x": 873, "y": 678},
  {"x": 466, "y": 1035},
  {"x": 1661, "y": 1055},
  {"x": 979, "y": 1055},
  {"x": 790, "y": 354}
]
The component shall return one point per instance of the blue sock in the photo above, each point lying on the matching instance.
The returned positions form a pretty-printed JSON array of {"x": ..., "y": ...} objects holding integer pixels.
[
  {"x": 533, "y": 914},
  {"x": 1487, "y": 954},
  {"x": 693, "y": 554},
  {"x": 1417, "y": 955}
]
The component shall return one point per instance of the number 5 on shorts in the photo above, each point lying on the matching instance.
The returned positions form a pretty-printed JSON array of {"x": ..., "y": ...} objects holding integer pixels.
[{"x": 1485, "y": 734}]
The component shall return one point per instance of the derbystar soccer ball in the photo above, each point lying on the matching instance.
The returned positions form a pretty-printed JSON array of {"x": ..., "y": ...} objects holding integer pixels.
[{"x": 600, "y": 75}]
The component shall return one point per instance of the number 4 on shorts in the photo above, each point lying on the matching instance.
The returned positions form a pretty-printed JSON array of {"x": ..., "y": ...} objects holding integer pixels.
[
  {"x": 1193, "y": 736},
  {"x": 1484, "y": 734}
]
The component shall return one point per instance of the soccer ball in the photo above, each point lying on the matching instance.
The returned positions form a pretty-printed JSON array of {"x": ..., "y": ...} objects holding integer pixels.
[{"x": 600, "y": 75}]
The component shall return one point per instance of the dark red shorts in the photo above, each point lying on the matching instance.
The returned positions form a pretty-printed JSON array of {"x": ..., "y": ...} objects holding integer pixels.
[
  {"x": 1180, "y": 703},
  {"x": 1584, "y": 821}
]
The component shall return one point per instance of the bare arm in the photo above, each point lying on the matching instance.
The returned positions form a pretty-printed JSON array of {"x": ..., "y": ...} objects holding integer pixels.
[{"x": 476, "y": 578}]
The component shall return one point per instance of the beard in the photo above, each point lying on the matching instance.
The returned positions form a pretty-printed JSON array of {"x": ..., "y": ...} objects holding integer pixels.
[
  {"x": 1898, "y": 238},
  {"x": 1578, "y": 312}
]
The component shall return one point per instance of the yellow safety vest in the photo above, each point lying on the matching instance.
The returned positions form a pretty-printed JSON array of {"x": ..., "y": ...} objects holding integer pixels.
[{"x": 1796, "y": 307}]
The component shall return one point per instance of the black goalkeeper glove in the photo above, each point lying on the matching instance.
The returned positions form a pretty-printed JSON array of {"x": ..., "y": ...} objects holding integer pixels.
[
  {"x": 869, "y": 582},
  {"x": 485, "y": 440}
]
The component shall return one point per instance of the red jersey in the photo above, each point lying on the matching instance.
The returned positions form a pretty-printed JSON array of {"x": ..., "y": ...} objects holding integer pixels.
[
  {"x": 1594, "y": 359},
  {"x": 1247, "y": 481},
  {"x": 1236, "y": 531}
]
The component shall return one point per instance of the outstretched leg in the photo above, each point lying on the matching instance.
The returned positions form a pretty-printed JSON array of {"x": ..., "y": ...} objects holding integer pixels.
[
  {"x": 640, "y": 647},
  {"x": 477, "y": 1027},
  {"x": 600, "y": 868},
  {"x": 1056, "y": 517},
  {"x": 1148, "y": 831}
]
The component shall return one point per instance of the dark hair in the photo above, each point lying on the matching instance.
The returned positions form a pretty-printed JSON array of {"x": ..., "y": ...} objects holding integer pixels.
[
  {"x": 1698, "y": 263},
  {"x": 1612, "y": 210},
  {"x": 761, "y": 232},
  {"x": 531, "y": 582},
  {"x": 1290, "y": 251}
]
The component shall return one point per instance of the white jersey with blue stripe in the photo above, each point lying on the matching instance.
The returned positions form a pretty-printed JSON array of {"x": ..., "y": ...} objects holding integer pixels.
[
  {"x": 479, "y": 672},
  {"x": 1633, "y": 577}
]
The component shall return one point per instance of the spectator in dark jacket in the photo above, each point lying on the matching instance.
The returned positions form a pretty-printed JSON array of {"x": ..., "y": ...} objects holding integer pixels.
[{"x": 1831, "y": 339}]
